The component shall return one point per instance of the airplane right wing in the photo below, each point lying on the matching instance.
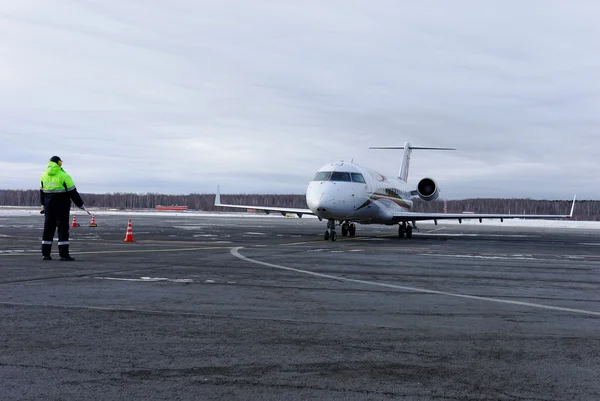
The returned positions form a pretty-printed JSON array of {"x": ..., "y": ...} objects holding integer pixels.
[
  {"x": 266, "y": 209},
  {"x": 416, "y": 216}
]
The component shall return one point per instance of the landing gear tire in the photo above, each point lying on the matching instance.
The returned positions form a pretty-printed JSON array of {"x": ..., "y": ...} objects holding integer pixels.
[
  {"x": 333, "y": 236},
  {"x": 326, "y": 236},
  {"x": 405, "y": 229},
  {"x": 401, "y": 232},
  {"x": 352, "y": 230},
  {"x": 345, "y": 228}
]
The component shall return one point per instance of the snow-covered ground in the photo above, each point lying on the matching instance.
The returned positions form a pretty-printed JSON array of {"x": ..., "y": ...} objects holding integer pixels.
[
  {"x": 28, "y": 211},
  {"x": 24, "y": 211}
]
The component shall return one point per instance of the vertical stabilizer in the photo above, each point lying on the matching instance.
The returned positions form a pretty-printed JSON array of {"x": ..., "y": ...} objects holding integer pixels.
[
  {"x": 408, "y": 148},
  {"x": 218, "y": 196},
  {"x": 403, "y": 173}
]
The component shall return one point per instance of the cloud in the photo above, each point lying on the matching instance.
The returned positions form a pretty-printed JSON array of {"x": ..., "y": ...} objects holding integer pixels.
[{"x": 256, "y": 95}]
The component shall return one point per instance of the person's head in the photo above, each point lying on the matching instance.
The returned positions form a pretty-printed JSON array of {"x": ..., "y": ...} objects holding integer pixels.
[{"x": 56, "y": 160}]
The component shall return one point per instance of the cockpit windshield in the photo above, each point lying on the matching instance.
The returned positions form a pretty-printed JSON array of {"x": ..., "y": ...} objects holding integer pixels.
[
  {"x": 322, "y": 176},
  {"x": 357, "y": 177},
  {"x": 339, "y": 176}
]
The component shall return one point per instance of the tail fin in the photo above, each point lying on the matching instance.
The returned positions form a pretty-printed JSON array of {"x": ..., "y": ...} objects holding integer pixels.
[
  {"x": 573, "y": 206},
  {"x": 218, "y": 196},
  {"x": 403, "y": 174}
]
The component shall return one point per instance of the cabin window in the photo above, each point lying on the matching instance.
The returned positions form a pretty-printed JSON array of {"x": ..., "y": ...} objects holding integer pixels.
[
  {"x": 322, "y": 176},
  {"x": 339, "y": 176},
  {"x": 357, "y": 177}
]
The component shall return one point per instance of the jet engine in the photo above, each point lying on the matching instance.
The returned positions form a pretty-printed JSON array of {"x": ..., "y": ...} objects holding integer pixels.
[{"x": 428, "y": 190}]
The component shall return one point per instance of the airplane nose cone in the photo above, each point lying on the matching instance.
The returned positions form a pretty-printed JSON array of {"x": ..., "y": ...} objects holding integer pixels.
[
  {"x": 320, "y": 202},
  {"x": 325, "y": 203}
]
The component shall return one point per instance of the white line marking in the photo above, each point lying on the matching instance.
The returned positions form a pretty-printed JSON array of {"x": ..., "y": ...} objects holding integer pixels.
[
  {"x": 434, "y": 230},
  {"x": 515, "y": 257},
  {"x": 166, "y": 313},
  {"x": 429, "y": 233},
  {"x": 235, "y": 252},
  {"x": 450, "y": 235},
  {"x": 589, "y": 243},
  {"x": 148, "y": 279}
]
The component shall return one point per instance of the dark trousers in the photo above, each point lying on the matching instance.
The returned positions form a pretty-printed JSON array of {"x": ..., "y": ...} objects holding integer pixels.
[
  {"x": 52, "y": 222},
  {"x": 56, "y": 216}
]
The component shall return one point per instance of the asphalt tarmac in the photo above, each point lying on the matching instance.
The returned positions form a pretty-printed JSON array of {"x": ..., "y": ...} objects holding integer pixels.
[{"x": 262, "y": 308}]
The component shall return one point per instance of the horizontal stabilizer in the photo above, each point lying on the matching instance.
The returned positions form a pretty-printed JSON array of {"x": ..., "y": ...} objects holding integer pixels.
[
  {"x": 410, "y": 147},
  {"x": 403, "y": 174}
]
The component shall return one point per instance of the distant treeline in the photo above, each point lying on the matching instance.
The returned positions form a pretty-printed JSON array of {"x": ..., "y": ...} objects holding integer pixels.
[{"x": 584, "y": 209}]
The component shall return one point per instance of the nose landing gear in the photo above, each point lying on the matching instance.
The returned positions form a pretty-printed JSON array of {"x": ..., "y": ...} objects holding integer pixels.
[{"x": 330, "y": 233}]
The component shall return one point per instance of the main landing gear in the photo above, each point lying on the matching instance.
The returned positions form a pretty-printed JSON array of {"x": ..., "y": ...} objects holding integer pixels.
[
  {"x": 405, "y": 229},
  {"x": 348, "y": 228}
]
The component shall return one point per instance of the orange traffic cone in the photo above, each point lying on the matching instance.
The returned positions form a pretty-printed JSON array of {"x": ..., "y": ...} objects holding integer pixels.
[
  {"x": 129, "y": 235},
  {"x": 74, "y": 223},
  {"x": 93, "y": 223}
]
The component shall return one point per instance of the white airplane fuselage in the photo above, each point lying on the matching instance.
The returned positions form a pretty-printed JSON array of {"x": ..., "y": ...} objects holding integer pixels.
[{"x": 348, "y": 192}]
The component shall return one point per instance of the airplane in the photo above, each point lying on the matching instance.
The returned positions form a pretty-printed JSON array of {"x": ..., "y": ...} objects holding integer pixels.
[{"x": 346, "y": 194}]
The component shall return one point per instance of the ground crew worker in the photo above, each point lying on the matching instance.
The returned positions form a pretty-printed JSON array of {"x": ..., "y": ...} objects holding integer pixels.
[{"x": 56, "y": 193}]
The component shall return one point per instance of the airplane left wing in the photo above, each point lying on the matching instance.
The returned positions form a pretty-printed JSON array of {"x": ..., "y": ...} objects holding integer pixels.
[
  {"x": 266, "y": 209},
  {"x": 416, "y": 216}
]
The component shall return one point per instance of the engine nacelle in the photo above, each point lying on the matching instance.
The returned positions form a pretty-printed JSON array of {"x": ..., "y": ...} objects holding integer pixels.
[{"x": 428, "y": 190}]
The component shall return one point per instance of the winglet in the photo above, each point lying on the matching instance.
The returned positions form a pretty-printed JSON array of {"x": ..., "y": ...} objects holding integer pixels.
[
  {"x": 573, "y": 206},
  {"x": 218, "y": 197}
]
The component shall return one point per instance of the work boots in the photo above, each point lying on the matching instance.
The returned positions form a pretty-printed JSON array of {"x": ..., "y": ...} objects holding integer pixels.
[
  {"x": 46, "y": 249},
  {"x": 63, "y": 251}
]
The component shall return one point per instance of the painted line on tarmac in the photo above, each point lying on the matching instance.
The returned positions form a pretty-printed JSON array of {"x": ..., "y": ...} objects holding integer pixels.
[
  {"x": 235, "y": 252},
  {"x": 151, "y": 250},
  {"x": 312, "y": 242},
  {"x": 167, "y": 313},
  {"x": 153, "y": 279},
  {"x": 30, "y": 252},
  {"x": 169, "y": 242},
  {"x": 500, "y": 257},
  {"x": 434, "y": 230}
]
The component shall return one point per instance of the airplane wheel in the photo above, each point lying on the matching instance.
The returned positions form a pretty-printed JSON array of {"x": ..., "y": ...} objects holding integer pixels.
[
  {"x": 352, "y": 230},
  {"x": 326, "y": 236},
  {"x": 401, "y": 232},
  {"x": 409, "y": 231},
  {"x": 333, "y": 236},
  {"x": 344, "y": 230}
]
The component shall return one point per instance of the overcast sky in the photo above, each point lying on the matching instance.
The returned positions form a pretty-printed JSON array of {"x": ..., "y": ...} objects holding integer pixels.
[{"x": 179, "y": 96}]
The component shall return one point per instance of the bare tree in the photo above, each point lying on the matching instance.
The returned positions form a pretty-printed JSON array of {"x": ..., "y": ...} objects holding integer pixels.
[{"x": 584, "y": 209}]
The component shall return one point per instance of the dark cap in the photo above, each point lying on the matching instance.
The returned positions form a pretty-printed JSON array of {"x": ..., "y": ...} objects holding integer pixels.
[{"x": 55, "y": 159}]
